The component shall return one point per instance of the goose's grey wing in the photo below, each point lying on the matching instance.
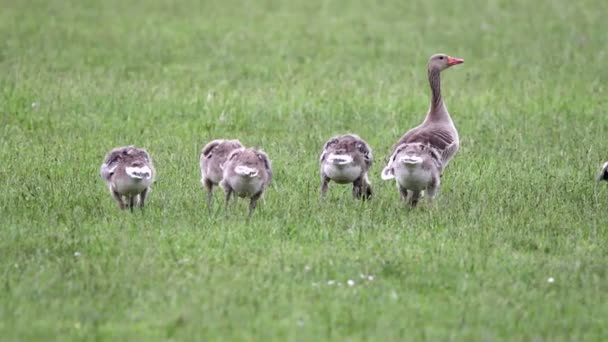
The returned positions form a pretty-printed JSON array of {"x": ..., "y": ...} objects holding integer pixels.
[
  {"x": 437, "y": 137},
  {"x": 449, "y": 153}
]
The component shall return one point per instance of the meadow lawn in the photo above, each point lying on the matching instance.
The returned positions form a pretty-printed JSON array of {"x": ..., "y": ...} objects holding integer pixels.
[{"x": 518, "y": 204}]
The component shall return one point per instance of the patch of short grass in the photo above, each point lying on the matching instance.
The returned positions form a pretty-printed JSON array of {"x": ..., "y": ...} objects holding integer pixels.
[{"x": 517, "y": 205}]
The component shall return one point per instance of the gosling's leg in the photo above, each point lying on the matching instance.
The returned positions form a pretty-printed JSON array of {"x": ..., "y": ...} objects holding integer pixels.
[
  {"x": 324, "y": 185},
  {"x": 366, "y": 188},
  {"x": 403, "y": 194},
  {"x": 433, "y": 188},
  {"x": 360, "y": 190},
  {"x": 209, "y": 188},
  {"x": 415, "y": 198},
  {"x": 253, "y": 202},
  {"x": 118, "y": 198},
  {"x": 131, "y": 202},
  {"x": 142, "y": 198}
]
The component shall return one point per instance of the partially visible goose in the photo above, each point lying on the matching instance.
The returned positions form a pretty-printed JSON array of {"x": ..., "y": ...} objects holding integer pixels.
[
  {"x": 346, "y": 159},
  {"x": 129, "y": 173},
  {"x": 212, "y": 159},
  {"x": 603, "y": 175},
  {"x": 415, "y": 167},
  {"x": 437, "y": 130},
  {"x": 247, "y": 173}
]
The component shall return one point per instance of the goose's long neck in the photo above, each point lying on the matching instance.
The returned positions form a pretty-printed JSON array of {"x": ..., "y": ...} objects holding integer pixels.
[{"x": 437, "y": 111}]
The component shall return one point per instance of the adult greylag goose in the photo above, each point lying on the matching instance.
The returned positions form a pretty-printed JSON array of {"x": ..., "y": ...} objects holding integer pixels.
[
  {"x": 346, "y": 159},
  {"x": 416, "y": 167},
  {"x": 603, "y": 175},
  {"x": 212, "y": 159},
  {"x": 437, "y": 131},
  {"x": 128, "y": 173},
  {"x": 247, "y": 172}
]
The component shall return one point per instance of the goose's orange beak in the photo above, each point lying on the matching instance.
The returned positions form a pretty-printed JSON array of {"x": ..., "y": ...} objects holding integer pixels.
[{"x": 454, "y": 61}]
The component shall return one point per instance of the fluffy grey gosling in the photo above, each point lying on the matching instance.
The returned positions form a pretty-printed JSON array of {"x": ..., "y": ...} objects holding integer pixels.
[
  {"x": 129, "y": 173},
  {"x": 247, "y": 172},
  {"x": 346, "y": 159},
  {"x": 603, "y": 173},
  {"x": 415, "y": 167},
  {"x": 213, "y": 157}
]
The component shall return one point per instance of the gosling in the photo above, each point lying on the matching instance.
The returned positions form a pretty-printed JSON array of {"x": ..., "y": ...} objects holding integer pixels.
[
  {"x": 603, "y": 173},
  {"x": 346, "y": 159},
  {"x": 247, "y": 172},
  {"x": 129, "y": 174},
  {"x": 416, "y": 167},
  {"x": 212, "y": 159}
]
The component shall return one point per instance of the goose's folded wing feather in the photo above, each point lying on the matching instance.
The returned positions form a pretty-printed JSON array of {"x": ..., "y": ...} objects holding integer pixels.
[
  {"x": 437, "y": 137},
  {"x": 448, "y": 153}
]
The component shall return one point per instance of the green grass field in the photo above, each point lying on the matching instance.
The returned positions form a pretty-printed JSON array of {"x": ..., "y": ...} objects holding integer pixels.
[{"x": 517, "y": 204}]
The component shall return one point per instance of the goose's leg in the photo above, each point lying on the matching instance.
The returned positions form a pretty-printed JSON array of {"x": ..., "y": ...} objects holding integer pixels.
[{"x": 324, "y": 185}]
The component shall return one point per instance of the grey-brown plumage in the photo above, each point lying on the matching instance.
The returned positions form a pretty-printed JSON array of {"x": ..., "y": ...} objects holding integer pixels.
[
  {"x": 129, "y": 173},
  {"x": 212, "y": 159},
  {"x": 247, "y": 172},
  {"x": 603, "y": 175},
  {"x": 437, "y": 130},
  {"x": 346, "y": 159},
  {"x": 416, "y": 167}
]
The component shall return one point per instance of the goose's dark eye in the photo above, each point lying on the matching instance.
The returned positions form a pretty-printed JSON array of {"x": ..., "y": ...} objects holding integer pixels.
[{"x": 440, "y": 57}]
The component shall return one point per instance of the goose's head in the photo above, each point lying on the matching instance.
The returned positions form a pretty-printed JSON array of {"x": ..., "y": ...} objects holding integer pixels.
[{"x": 441, "y": 61}]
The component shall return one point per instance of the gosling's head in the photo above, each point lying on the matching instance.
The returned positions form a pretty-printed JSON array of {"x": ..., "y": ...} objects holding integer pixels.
[
  {"x": 126, "y": 156},
  {"x": 412, "y": 156},
  {"x": 345, "y": 150},
  {"x": 249, "y": 162},
  {"x": 220, "y": 148}
]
